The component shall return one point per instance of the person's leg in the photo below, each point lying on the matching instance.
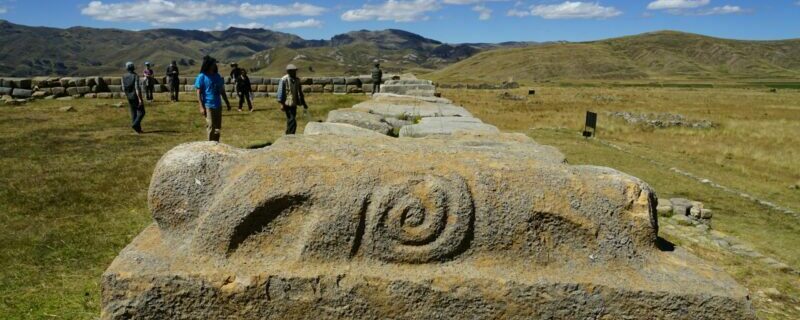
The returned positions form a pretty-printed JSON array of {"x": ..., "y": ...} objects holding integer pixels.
[
  {"x": 214, "y": 122},
  {"x": 139, "y": 118},
  {"x": 291, "y": 119},
  {"x": 241, "y": 99},
  {"x": 249, "y": 101},
  {"x": 132, "y": 103}
]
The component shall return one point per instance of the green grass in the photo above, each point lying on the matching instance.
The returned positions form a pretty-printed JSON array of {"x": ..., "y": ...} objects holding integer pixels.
[
  {"x": 74, "y": 190},
  {"x": 754, "y": 149},
  {"x": 74, "y": 184}
]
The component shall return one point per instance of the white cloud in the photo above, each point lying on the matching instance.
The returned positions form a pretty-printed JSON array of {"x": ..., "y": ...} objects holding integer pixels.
[
  {"x": 160, "y": 12},
  {"x": 722, "y": 10},
  {"x": 393, "y": 10},
  {"x": 308, "y": 23},
  {"x": 677, "y": 4},
  {"x": 3, "y": 10},
  {"x": 471, "y": 1},
  {"x": 253, "y": 11},
  {"x": 251, "y": 25},
  {"x": 568, "y": 10},
  {"x": 484, "y": 13}
]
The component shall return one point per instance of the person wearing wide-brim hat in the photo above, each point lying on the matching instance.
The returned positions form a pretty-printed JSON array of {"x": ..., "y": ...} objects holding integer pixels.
[{"x": 290, "y": 95}]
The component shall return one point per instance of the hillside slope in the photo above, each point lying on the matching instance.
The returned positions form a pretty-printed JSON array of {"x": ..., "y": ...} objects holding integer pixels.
[
  {"x": 29, "y": 51},
  {"x": 657, "y": 55}
]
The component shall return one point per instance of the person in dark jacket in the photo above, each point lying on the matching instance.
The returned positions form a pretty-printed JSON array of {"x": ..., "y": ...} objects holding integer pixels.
[
  {"x": 235, "y": 72},
  {"x": 377, "y": 78},
  {"x": 290, "y": 95},
  {"x": 244, "y": 90},
  {"x": 149, "y": 81},
  {"x": 133, "y": 91},
  {"x": 173, "y": 76}
]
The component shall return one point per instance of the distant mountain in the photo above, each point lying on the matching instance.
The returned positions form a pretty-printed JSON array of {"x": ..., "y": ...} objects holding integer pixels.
[
  {"x": 656, "y": 55},
  {"x": 31, "y": 51}
]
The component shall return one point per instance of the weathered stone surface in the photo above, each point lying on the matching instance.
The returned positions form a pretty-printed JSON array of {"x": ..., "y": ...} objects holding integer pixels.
[
  {"x": 339, "y": 129},
  {"x": 681, "y": 206},
  {"x": 361, "y": 119},
  {"x": 413, "y": 90},
  {"x": 67, "y": 109},
  {"x": 21, "y": 93},
  {"x": 5, "y": 91},
  {"x": 447, "y": 126},
  {"x": 381, "y": 96},
  {"x": 374, "y": 227},
  {"x": 406, "y": 107}
]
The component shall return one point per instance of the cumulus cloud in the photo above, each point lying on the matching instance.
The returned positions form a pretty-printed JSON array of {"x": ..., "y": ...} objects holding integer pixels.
[
  {"x": 677, "y": 4},
  {"x": 470, "y": 1},
  {"x": 160, "y": 12},
  {"x": 693, "y": 7},
  {"x": 568, "y": 10},
  {"x": 393, "y": 10},
  {"x": 253, "y": 11},
  {"x": 484, "y": 13},
  {"x": 722, "y": 10},
  {"x": 308, "y": 23},
  {"x": 3, "y": 10}
]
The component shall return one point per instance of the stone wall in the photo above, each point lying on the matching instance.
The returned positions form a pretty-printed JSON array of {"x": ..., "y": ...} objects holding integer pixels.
[{"x": 111, "y": 87}]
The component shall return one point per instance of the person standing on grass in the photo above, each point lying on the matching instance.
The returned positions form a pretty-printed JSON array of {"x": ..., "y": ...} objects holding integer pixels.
[
  {"x": 149, "y": 81},
  {"x": 243, "y": 90},
  {"x": 210, "y": 87},
  {"x": 290, "y": 95},
  {"x": 377, "y": 78},
  {"x": 173, "y": 76},
  {"x": 133, "y": 91}
]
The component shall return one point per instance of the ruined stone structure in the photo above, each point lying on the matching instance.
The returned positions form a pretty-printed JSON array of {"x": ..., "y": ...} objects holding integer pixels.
[
  {"x": 347, "y": 222},
  {"x": 111, "y": 87}
]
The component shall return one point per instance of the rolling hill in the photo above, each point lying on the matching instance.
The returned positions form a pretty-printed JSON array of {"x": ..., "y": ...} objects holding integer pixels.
[
  {"x": 656, "y": 55},
  {"x": 29, "y": 51}
]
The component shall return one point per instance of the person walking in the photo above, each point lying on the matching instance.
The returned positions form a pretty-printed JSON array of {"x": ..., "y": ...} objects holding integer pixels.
[
  {"x": 377, "y": 78},
  {"x": 235, "y": 72},
  {"x": 243, "y": 90},
  {"x": 290, "y": 95},
  {"x": 173, "y": 76},
  {"x": 133, "y": 91},
  {"x": 149, "y": 81},
  {"x": 210, "y": 87}
]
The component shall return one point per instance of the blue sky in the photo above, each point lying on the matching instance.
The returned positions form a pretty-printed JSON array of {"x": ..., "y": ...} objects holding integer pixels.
[{"x": 451, "y": 21}]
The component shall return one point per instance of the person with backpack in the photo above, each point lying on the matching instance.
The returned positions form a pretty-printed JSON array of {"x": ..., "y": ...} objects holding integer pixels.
[
  {"x": 377, "y": 78},
  {"x": 290, "y": 95},
  {"x": 243, "y": 90},
  {"x": 149, "y": 81},
  {"x": 173, "y": 76},
  {"x": 210, "y": 87},
  {"x": 133, "y": 91}
]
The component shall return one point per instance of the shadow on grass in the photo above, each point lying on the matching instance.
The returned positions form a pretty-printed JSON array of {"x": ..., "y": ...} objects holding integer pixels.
[
  {"x": 259, "y": 145},
  {"x": 664, "y": 245}
]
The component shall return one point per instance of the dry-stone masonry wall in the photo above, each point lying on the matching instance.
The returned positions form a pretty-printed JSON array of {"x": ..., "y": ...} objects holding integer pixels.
[
  {"x": 111, "y": 87},
  {"x": 461, "y": 222}
]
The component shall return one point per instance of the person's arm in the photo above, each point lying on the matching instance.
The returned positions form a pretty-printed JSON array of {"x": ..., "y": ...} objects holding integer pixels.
[
  {"x": 224, "y": 95},
  {"x": 200, "y": 100},
  {"x": 138, "y": 91},
  {"x": 301, "y": 96},
  {"x": 281, "y": 95}
]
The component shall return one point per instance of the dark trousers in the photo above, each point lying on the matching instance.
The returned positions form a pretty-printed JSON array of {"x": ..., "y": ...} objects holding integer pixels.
[
  {"x": 291, "y": 119},
  {"x": 376, "y": 87},
  {"x": 148, "y": 90},
  {"x": 137, "y": 114},
  {"x": 245, "y": 96},
  {"x": 214, "y": 123},
  {"x": 173, "y": 90}
]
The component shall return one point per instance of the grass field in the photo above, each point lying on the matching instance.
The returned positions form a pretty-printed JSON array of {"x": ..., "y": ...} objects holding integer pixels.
[
  {"x": 73, "y": 190},
  {"x": 74, "y": 183}
]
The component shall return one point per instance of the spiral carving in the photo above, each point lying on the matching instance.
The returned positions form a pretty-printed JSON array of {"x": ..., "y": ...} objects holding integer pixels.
[{"x": 420, "y": 219}]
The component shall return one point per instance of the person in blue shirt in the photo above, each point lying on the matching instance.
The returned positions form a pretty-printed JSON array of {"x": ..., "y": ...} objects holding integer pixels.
[{"x": 210, "y": 87}]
